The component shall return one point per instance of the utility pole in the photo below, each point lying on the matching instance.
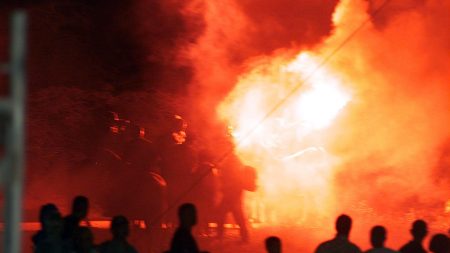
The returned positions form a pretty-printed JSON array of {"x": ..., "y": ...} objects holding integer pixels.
[{"x": 12, "y": 119}]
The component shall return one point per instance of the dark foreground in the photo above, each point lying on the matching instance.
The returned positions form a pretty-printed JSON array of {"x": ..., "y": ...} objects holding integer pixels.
[{"x": 295, "y": 239}]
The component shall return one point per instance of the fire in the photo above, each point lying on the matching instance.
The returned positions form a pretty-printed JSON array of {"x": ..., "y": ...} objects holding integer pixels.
[
  {"x": 360, "y": 119},
  {"x": 318, "y": 105},
  {"x": 278, "y": 112}
]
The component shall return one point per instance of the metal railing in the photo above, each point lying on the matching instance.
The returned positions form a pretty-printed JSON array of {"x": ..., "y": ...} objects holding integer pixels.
[{"x": 12, "y": 117}]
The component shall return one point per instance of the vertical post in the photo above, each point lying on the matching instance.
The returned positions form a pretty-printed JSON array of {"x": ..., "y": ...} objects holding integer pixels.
[{"x": 15, "y": 139}]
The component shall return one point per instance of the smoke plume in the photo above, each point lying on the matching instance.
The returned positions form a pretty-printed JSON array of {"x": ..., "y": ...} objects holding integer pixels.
[{"x": 389, "y": 144}]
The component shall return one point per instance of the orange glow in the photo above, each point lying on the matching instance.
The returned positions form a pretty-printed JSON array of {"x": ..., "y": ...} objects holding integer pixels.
[
  {"x": 286, "y": 146},
  {"x": 365, "y": 126},
  {"x": 318, "y": 105}
]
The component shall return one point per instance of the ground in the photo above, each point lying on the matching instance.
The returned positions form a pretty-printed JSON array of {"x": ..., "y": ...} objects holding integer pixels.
[{"x": 295, "y": 238}]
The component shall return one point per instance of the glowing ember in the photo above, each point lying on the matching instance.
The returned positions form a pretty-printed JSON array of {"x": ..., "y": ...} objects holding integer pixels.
[{"x": 286, "y": 146}]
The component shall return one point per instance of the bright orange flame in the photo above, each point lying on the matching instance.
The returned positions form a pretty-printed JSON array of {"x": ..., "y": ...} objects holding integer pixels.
[
  {"x": 394, "y": 68},
  {"x": 319, "y": 105},
  {"x": 294, "y": 168}
]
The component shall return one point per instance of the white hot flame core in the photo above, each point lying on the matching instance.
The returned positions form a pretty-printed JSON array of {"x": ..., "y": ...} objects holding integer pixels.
[{"x": 284, "y": 147}]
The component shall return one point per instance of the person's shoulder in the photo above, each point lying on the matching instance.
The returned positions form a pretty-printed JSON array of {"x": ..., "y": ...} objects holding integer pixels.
[
  {"x": 69, "y": 218},
  {"x": 131, "y": 249},
  {"x": 102, "y": 247},
  {"x": 421, "y": 249},
  {"x": 328, "y": 242},
  {"x": 38, "y": 237},
  {"x": 105, "y": 243},
  {"x": 180, "y": 234},
  {"x": 182, "y": 231},
  {"x": 406, "y": 248},
  {"x": 355, "y": 248},
  {"x": 178, "y": 231},
  {"x": 324, "y": 246},
  {"x": 381, "y": 250},
  {"x": 388, "y": 250}
]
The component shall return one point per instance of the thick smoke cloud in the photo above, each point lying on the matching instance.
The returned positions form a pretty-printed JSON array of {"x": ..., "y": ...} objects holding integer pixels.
[
  {"x": 391, "y": 140},
  {"x": 236, "y": 31},
  {"x": 393, "y": 136},
  {"x": 86, "y": 58},
  {"x": 394, "y": 131}
]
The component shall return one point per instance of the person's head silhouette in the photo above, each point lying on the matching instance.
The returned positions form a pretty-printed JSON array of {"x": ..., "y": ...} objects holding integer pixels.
[
  {"x": 120, "y": 227},
  {"x": 80, "y": 207},
  {"x": 343, "y": 225},
  {"x": 378, "y": 236},
  {"x": 273, "y": 244},
  {"x": 46, "y": 211},
  {"x": 419, "y": 230},
  {"x": 187, "y": 214},
  {"x": 439, "y": 243}
]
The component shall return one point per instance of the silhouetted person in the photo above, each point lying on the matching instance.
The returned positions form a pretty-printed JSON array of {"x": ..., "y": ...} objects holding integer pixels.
[
  {"x": 83, "y": 241},
  {"x": 138, "y": 151},
  {"x": 53, "y": 241},
  {"x": 176, "y": 160},
  {"x": 80, "y": 207},
  {"x": 233, "y": 187},
  {"x": 439, "y": 243},
  {"x": 273, "y": 244},
  {"x": 139, "y": 176},
  {"x": 183, "y": 241},
  {"x": 205, "y": 194},
  {"x": 120, "y": 230},
  {"x": 419, "y": 232},
  {"x": 377, "y": 240},
  {"x": 340, "y": 244},
  {"x": 44, "y": 213}
]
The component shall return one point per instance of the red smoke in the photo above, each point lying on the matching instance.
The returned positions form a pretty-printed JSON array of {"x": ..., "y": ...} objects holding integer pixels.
[{"x": 388, "y": 144}]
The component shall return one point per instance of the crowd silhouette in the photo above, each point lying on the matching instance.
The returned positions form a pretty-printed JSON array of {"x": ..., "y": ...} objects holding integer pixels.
[{"x": 68, "y": 235}]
